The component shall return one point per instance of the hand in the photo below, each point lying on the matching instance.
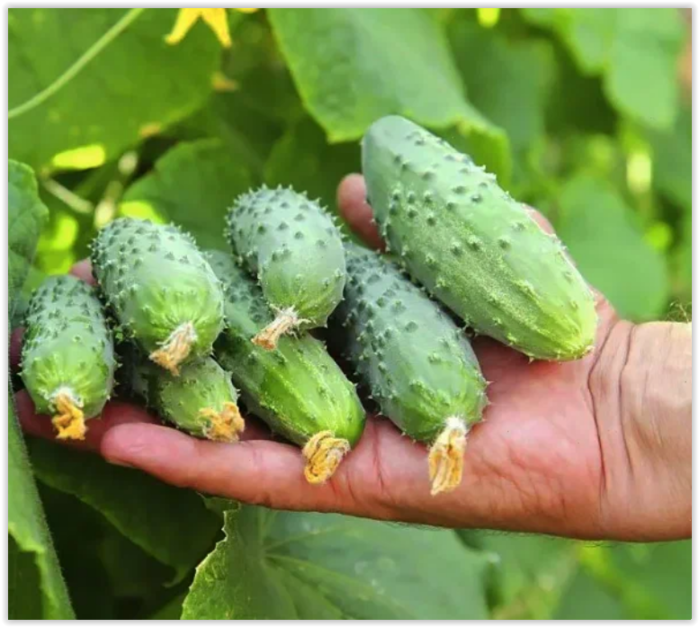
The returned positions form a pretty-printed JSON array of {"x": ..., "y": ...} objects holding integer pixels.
[{"x": 576, "y": 449}]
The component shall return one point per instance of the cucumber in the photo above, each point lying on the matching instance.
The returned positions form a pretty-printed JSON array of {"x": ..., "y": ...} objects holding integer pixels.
[
  {"x": 472, "y": 246},
  {"x": 160, "y": 288},
  {"x": 298, "y": 390},
  {"x": 68, "y": 359},
  {"x": 295, "y": 250},
  {"x": 201, "y": 400},
  {"x": 416, "y": 362}
]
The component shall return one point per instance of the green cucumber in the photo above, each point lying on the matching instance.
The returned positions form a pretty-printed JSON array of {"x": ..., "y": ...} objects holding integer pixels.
[
  {"x": 201, "y": 400},
  {"x": 163, "y": 293},
  {"x": 472, "y": 246},
  {"x": 295, "y": 250},
  {"x": 298, "y": 390},
  {"x": 68, "y": 359},
  {"x": 416, "y": 362}
]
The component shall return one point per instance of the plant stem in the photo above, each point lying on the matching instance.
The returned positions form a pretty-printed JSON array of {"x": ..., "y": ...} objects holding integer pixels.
[{"x": 75, "y": 69}]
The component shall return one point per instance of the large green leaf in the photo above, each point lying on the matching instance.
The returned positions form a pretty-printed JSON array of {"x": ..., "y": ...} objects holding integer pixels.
[
  {"x": 77, "y": 532},
  {"x": 609, "y": 248},
  {"x": 655, "y": 579},
  {"x": 585, "y": 598},
  {"x": 672, "y": 161},
  {"x": 302, "y": 158},
  {"x": 591, "y": 34},
  {"x": 672, "y": 178},
  {"x": 258, "y": 69},
  {"x": 528, "y": 572},
  {"x": 646, "y": 52},
  {"x": 322, "y": 566},
  {"x": 255, "y": 99},
  {"x": 352, "y": 66},
  {"x": 577, "y": 104},
  {"x": 238, "y": 123},
  {"x": 682, "y": 264},
  {"x": 20, "y": 301},
  {"x": 192, "y": 185},
  {"x": 131, "y": 571},
  {"x": 24, "y": 584},
  {"x": 171, "y": 524},
  {"x": 36, "y": 588},
  {"x": 631, "y": 581},
  {"x": 26, "y": 216},
  {"x": 135, "y": 86},
  {"x": 105, "y": 572},
  {"x": 511, "y": 80},
  {"x": 172, "y": 610},
  {"x": 636, "y": 50},
  {"x": 545, "y": 18}
]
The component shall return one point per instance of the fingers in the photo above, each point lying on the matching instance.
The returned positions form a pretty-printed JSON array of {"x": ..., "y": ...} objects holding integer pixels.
[
  {"x": 115, "y": 413},
  {"x": 255, "y": 471},
  {"x": 351, "y": 199},
  {"x": 271, "y": 473}
]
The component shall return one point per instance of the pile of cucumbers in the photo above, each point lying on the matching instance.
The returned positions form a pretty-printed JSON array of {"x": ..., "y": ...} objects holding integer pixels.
[{"x": 196, "y": 332}]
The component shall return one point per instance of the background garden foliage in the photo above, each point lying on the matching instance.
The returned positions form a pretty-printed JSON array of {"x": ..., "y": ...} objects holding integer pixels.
[{"x": 582, "y": 113}]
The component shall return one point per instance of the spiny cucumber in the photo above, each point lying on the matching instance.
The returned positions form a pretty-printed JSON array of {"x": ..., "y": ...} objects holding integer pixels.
[
  {"x": 472, "y": 246},
  {"x": 68, "y": 359},
  {"x": 416, "y": 362},
  {"x": 295, "y": 250},
  {"x": 298, "y": 390},
  {"x": 161, "y": 289},
  {"x": 201, "y": 400}
]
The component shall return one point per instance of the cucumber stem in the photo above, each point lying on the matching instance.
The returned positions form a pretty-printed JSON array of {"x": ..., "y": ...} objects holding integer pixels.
[
  {"x": 446, "y": 456},
  {"x": 226, "y": 425},
  {"x": 175, "y": 349},
  {"x": 69, "y": 419},
  {"x": 323, "y": 453},
  {"x": 286, "y": 321}
]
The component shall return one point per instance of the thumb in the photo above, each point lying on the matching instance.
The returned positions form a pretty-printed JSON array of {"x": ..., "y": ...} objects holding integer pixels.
[{"x": 351, "y": 199}]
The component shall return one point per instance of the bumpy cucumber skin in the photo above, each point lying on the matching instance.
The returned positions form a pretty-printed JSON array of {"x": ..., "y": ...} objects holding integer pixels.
[
  {"x": 67, "y": 344},
  {"x": 472, "y": 246},
  {"x": 155, "y": 279},
  {"x": 201, "y": 384},
  {"x": 298, "y": 389},
  {"x": 293, "y": 247},
  {"x": 416, "y": 362}
]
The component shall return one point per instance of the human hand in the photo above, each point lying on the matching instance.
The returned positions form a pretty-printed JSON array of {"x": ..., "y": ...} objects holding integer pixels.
[{"x": 562, "y": 449}]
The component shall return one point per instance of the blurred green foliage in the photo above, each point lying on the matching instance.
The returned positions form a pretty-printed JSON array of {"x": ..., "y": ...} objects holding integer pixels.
[{"x": 582, "y": 113}]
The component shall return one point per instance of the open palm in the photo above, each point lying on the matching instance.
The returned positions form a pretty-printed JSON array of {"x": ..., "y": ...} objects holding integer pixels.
[{"x": 539, "y": 461}]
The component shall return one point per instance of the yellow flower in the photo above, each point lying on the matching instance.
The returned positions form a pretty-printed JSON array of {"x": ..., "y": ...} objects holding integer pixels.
[{"x": 216, "y": 19}]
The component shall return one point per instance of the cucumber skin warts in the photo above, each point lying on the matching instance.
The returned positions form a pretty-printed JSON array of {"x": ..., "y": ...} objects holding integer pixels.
[
  {"x": 416, "y": 362},
  {"x": 295, "y": 250},
  {"x": 68, "y": 361},
  {"x": 163, "y": 293},
  {"x": 472, "y": 246},
  {"x": 298, "y": 389},
  {"x": 200, "y": 401}
]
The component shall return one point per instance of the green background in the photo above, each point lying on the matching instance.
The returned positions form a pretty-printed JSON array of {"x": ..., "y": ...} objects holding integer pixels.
[{"x": 582, "y": 113}]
